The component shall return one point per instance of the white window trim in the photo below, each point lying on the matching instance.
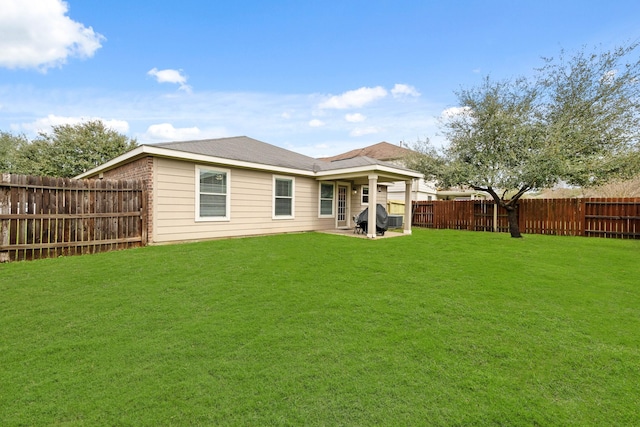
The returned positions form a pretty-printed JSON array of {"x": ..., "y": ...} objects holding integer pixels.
[
  {"x": 227, "y": 216},
  {"x": 333, "y": 200},
  {"x": 362, "y": 202},
  {"x": 293, "y": 197}
]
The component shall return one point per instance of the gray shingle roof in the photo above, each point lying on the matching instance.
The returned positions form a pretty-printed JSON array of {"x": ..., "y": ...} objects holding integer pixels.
[{"x": 245, "y": 149}]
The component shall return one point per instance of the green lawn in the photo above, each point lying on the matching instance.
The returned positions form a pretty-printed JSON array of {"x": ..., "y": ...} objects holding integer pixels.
[{"x": 439, "y": 328}]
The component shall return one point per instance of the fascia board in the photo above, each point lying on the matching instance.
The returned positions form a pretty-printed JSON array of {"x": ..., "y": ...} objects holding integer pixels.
[{"x": 387, "y": 172}]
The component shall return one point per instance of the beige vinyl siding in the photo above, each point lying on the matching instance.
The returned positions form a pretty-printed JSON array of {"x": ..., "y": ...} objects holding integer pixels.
[
  {"x": 420, "y": 189},
  {"x": 382, "y": 196},
  {"x": 356, "y": 199},
  {"x": 251, "y": 202}
]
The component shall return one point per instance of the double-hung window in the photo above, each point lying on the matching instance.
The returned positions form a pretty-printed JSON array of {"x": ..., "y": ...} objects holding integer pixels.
[
  {"x": 212, "y": 194},
  {"x": 365, "y": 194},
  {"x": 283, "y": 197},
  {"x": 326, "y": 200}
]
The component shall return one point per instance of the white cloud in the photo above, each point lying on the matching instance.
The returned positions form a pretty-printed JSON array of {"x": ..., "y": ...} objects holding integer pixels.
[
  {"x": 170, "y": 76},
  {"x": 223, "y": 114},
  {"x": 117, "y": 125},
  {"x": 315, "y": 123},
  {"x": 355, "y": 118},
  {"x": 400, "y": 90},
  {"x": 166, "y": 132},
  {"x": 39, "y": 34},
  {"x": 454, "y": 111},
  {"x": 354, "y": 98},
  {"x": 286, "y": 115},
  {"x": 365, "y": 131},
  {"x": 44, "y": 124}
]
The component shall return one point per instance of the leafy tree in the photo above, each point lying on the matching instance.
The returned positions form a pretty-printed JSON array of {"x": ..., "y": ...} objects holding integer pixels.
[
  {"x": 10, "y": 146},
  {"x": 72, "y": 149},
  {"x": 36, "y": 158},
  {"x": 576, "y": 122},
  {"x": 425, "y": 158},
  {"x": 591, "y": 106}
]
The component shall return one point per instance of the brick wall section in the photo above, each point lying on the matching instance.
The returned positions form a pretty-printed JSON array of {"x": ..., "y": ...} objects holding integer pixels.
[{"x": 138, "y": 169}]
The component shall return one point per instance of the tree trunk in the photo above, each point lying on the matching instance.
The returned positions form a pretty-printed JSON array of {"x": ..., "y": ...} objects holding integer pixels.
[
  {"x": 510, "y": 205},
  {"x": 514, "y": 227}
]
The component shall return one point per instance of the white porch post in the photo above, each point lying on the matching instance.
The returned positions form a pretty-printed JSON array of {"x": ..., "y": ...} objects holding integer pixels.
[
  {"x": 408, "y": 205},
  {"x": 373, "y": 201}
]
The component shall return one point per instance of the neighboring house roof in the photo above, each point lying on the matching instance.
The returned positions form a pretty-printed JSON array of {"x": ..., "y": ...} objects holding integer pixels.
[
  {"x": 461, "y": 192},
  {"x": 381, "y": 151},
  {"x": 356, "y": 162},
  {"x": 247, "y": 152}
]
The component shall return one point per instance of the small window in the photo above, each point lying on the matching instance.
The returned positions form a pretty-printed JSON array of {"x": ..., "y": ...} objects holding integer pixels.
[
  {"x": 283, "y": 203},
  {"x": 212, "y": 194},
  {"x": 365, "y": 194},
  {"x": 326, "y": 199}
]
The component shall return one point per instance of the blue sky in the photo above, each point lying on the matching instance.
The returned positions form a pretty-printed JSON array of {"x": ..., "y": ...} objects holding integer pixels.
[{"x": 317, "y": 77}]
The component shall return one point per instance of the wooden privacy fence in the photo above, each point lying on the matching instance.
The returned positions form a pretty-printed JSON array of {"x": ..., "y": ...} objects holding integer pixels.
[
  {"x": 594, "y": 217},
  {"x": 43, "y": 217}
]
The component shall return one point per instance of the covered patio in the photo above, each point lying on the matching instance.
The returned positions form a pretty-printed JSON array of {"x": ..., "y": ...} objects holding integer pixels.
[{"x": 355, "y": 174}]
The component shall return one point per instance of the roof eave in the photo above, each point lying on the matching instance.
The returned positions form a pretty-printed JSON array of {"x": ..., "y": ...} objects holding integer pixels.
[{"x": 385, "y": 172}]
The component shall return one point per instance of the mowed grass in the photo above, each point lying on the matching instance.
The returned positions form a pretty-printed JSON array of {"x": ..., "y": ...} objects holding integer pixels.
[{"x": 438, "y": 328}]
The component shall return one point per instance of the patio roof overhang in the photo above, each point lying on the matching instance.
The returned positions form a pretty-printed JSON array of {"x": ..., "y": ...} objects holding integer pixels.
[
  {"x": 383, "y": 172},
  {"x": 373, "y": 174}
]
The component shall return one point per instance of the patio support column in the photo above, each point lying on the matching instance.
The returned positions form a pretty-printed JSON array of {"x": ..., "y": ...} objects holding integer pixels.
[
  {"x": 373, "y": 201},
  {"x": 408, "y": 207}
]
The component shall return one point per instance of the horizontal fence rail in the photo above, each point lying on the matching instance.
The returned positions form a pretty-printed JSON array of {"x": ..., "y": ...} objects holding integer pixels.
[
  {"x": 618, "y": 218},
  {"x": 43, "y": 217},
  {"x": 591, "y": 217}
]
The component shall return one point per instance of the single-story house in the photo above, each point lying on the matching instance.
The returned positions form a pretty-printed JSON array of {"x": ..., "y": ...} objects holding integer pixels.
[{"x": 240, "y": 186}]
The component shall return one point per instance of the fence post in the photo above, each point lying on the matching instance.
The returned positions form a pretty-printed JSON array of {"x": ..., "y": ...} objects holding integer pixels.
[
  {"x": 144, "y": 236},
  {"x": 521, "y": 220},
  {"x": 582, "y": 207},
  {"x": 5, "y": 209}
]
